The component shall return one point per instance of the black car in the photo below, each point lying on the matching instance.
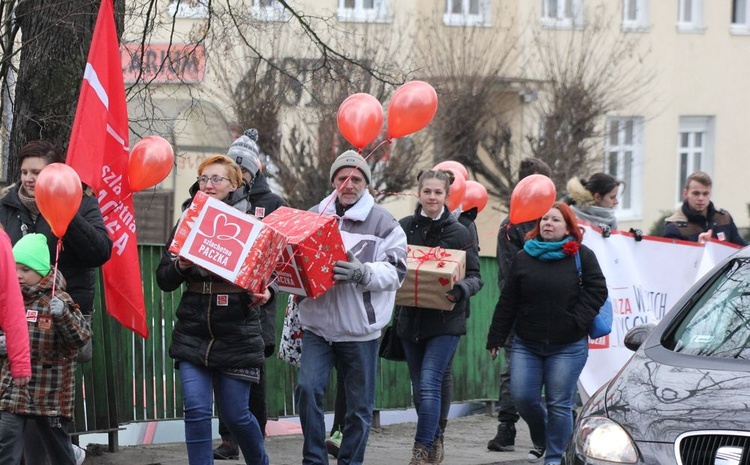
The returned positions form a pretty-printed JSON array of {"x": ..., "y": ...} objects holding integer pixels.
[{"x": 684, "y": 396}]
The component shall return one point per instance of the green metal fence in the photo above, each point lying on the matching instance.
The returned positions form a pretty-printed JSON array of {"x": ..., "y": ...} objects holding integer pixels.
[{"x": 131, "y": 379}]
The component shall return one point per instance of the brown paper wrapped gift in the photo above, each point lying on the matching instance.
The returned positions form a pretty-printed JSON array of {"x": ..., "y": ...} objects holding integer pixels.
[{"x": 430, "y": 273}]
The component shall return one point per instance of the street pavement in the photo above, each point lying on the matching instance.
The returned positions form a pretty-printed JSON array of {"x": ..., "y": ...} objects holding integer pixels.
[{"x": 465, "y": 444}]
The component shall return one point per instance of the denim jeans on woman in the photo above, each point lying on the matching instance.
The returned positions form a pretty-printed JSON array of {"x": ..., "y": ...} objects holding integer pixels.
[
  {"x": 554, "y": 368},
  {"x": 427, "y": 361},
  {"x": 357, "y": 362},
  {"x": 198, "y": 386}
]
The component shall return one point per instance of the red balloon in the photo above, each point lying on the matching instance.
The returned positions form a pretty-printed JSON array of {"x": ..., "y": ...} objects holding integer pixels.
[
  {"x": 475, "y": 197},
  {"x": 58, "y": 195},
  {"x": 452, "y": 166},
  {"x": 360, "y": 119},
  {"x": 457, "y": 190},
  {"x": 412, "y": 107},
  {"x": 532, "y": 197},
  {"x": 151, "y": 160}
]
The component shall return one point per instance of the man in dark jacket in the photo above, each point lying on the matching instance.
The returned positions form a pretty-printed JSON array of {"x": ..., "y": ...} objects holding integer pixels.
[
  {"x": 260, "y": 202},
  {"x": 698, "y": 220},
  {"x": 510, "y": 240}
]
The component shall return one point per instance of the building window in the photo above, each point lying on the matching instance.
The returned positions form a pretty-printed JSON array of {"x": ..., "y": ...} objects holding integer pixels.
[
  {"x": 269, "y": 10},
  {"x": 562, "y": 13},
  {"x": 363, "y": 11},
  {"x": 740, "y": 17},
  {"x": 467, "y": 13},
  {"x": 624, "y": 160},
  {"x": 690, "y": 16},
  {"x": 189, "y": 9},
  {"x": 694, "y": 148},
  {"x": 634, "y": 15}
]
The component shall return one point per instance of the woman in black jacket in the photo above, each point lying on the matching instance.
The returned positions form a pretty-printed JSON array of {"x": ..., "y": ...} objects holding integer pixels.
[
  {"x": 551, "y": 309},
  {"x": 216, "y": 342},
  {"x": 430, "y": 336}
]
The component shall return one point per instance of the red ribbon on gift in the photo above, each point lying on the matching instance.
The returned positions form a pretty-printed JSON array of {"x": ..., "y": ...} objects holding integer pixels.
[{"x": 422, "y": 257}]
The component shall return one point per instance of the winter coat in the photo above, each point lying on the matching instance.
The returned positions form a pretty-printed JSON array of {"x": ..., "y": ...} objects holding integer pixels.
[
  {"x": 467, "y": 219},
  {"x": 212, "y": 330},
  {"x": 13, "y": 313},
  {"x": 85, "y": 245},
  {"x": 687, "y": 225},
  {"x": 357, "y": 312},
  {"x": 581, "y": 200},
  {"x": 510, "y": 240},
  {"x": 545, "y": 301},
  {"x": 54, "y": 344},
  {"x": 417, "y": 324}
]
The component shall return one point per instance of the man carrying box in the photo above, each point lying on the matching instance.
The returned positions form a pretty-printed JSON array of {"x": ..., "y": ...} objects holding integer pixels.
[{"x": 342, "y": 326}]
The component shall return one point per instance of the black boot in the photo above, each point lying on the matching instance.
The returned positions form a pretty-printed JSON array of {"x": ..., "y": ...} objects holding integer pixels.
[
  {"x": 505, "y": 439},
  {"x": 228, "y": 450}
]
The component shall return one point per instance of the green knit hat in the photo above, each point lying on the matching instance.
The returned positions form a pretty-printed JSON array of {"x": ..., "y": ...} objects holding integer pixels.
[{"x": 32, "y": 251}]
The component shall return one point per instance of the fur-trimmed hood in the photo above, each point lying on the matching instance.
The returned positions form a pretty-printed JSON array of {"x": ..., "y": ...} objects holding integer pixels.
[{"x": 578, "y": 194}]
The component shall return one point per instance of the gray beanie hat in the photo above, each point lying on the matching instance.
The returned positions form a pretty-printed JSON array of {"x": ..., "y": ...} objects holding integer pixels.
[
  {"x": 245, "y": 151},
  {"x": 351, "y": 159}
]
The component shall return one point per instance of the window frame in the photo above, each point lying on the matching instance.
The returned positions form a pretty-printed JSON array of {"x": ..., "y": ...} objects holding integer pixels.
[
  {"x": 640, "y": 23},
  {"x": 693, "y": 125},
  {"x": 560, "y": 21},
  {"x": 275, "y": 12},
  {"x": 742, "y": 27},
  {"x": 377, "y": 14},
  {"x": 465, "y": 18},
  {"x": 634, "y": 179},
  {"x": 187, "y": 11},
  {"x": 696, "y": 22}
]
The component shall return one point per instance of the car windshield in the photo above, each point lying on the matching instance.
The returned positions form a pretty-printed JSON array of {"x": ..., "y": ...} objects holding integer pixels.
[{"x": 718, "y": 325}]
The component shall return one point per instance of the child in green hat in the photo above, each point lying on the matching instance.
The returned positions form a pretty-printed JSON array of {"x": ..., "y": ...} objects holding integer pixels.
[{"x": 56, "y": 330}]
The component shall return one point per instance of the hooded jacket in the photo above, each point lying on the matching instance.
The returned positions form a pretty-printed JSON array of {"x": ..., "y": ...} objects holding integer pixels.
[
  {"x": 258, "y": 200},
  {"x": 13, "y": 313},
  {"x": 357, "y": 312},
  {"x": 687, "y": 225},
  {"x": 416, "y": 324},
  {"x": 86, "y": 244},
  {"x": 581, "y": 201},
  {"x": 212, "y": 330},
  {"x": 54, "y": 344}
]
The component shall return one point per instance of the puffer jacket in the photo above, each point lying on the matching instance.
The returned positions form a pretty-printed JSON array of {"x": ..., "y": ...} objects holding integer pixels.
[
  {"x": 211, "y": 330},
  {"x": 416, "y": 324},
  {"x": 545, "y": 302},
  {"x": 85, "y": 246},
  {"x": 54, "y": 344},
  {"x": 258, "y": 200}
]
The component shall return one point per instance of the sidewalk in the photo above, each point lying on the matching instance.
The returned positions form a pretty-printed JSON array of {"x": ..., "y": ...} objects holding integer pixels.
[{"x": 465, "y": 444}]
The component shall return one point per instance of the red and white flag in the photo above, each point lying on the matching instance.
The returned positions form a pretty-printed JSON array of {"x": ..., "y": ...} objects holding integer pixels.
[{"x": 98, "y": 151}]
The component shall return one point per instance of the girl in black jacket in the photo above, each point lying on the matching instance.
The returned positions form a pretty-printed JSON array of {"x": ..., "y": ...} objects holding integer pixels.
[
  {"x": 217, "y": 340},
  {"x": 430, "y": 336},
  {"x": 551, "y": 310}
]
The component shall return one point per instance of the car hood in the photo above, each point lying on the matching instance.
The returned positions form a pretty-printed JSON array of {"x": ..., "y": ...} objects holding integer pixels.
[{"x": 656, "y": 401}]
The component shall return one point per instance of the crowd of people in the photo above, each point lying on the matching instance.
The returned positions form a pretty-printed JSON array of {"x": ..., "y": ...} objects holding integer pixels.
[{"x": 551, "y": 288}]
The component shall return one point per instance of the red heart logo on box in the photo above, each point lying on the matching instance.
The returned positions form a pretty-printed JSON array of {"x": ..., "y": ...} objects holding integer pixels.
[{"x": 444, "y": 281}]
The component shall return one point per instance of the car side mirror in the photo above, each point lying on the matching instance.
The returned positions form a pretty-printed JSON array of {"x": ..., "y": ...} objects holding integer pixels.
[{"x": 637, "y": 336}]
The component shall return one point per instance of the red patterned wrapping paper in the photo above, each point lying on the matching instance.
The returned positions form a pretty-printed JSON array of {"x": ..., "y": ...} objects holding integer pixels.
[
  {"x": 314, "y": 244},
  {"x": 227, "y": 242},
  {"x": 430, "y": 273}
]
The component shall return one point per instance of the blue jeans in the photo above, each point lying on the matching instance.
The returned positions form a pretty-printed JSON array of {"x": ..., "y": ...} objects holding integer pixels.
[
  {"x": 52, "y": 432},
  {"x": 197, "y": 386},
  {"x": 427, "y": 362},
  {"x": 358, "y": 364},
  {"x": 554, "y": 368}
]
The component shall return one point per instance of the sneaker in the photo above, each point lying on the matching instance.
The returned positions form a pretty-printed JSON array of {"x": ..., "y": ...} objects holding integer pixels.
[
  {"x": 535, "y": 454},
  {"x": 505, "y": 439},
  {"x": 79, "y": 453},
  {"x": 228, "y": 450},
  {"x": 333, "y": 444}
]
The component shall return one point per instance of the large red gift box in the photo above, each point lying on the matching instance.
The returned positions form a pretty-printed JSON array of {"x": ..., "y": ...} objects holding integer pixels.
[
  {"x": 314, "y": 244},
  {"x": 227, "y": 242},
  {"x": 430, "y": 273}
]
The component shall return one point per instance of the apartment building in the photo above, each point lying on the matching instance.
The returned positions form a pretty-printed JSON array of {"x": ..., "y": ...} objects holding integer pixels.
[{"x": 687, "y": 61}]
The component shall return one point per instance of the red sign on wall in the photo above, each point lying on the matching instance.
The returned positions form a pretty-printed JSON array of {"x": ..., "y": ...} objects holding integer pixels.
[{"x": 163, "y": 63}]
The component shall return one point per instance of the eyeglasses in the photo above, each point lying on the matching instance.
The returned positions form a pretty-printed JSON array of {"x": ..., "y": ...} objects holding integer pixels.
[{"x": 214, "y": 179}]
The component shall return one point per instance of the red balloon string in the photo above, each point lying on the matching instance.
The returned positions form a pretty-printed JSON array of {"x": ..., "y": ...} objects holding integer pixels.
[
  {"x": 364, "y": 160},
  {"x": 57, "y": 259},
  {"x": 119, "y": 204}
]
